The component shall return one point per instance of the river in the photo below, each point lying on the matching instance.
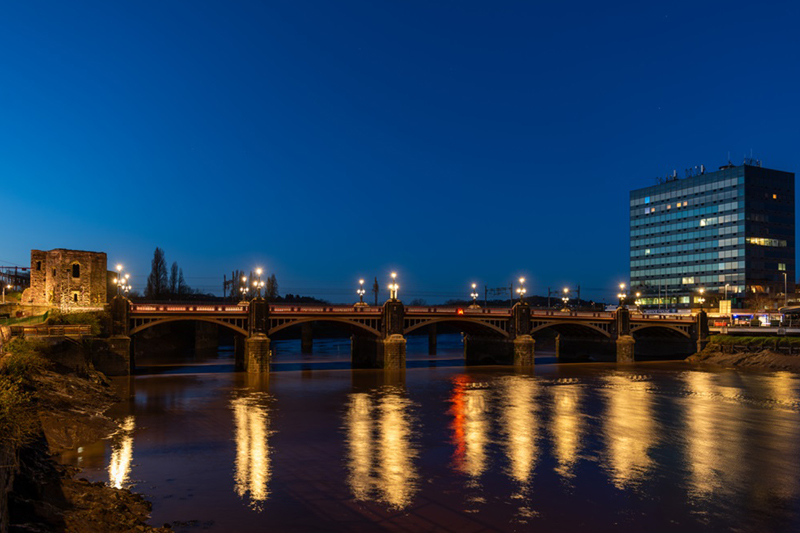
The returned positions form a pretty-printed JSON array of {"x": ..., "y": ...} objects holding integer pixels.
[{"x": 316, "y": 446}]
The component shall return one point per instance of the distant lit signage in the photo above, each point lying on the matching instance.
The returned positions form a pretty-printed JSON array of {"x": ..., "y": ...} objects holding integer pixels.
[{"x": 459, "y": 311}]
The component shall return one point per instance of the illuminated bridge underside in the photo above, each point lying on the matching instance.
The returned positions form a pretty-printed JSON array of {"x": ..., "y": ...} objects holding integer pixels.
[{"x": 368, "y": 320}]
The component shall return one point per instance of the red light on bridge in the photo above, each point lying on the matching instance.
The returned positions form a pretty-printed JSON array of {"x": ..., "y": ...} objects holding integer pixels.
[{"x": 459, "y": 311}]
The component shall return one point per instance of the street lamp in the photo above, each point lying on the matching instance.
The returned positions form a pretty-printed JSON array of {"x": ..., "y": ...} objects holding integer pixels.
[
  {"x": 474, "y": 295},
  {"x": 726, "y": 289},
  {"x": 118, "y": 281},
  {"x": 701, "y": 300},
  {"x": 521, "y": 290},
  {"x": 258, "y": 284},
  {"x": 4, "y": 291},
  {"x": 565, "y": 299},
  {"x": 393, "y": 287},
  {"x": 785, "y": 291},
  {"x": 622, "y": 295},
  {"x": 361, "y": 291}
]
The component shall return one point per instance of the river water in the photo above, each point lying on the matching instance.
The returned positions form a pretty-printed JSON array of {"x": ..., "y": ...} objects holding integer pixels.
[{"x": 314, "y": 446}]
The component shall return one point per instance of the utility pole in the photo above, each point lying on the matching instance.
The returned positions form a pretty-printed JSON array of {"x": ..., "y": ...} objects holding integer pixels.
[{"x": 485, "y": 296}]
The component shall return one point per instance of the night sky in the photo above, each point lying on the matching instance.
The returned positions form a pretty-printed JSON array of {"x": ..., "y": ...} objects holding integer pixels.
[{"x": 327, "y": 141}]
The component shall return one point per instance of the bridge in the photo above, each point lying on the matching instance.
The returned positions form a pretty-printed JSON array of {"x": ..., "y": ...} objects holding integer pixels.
[{"x": 378, "y": 333}]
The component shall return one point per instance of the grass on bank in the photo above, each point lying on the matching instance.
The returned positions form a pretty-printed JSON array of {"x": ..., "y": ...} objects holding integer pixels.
[
  {"x": 734, "y": 340},
  {"x": 98, "y": 320},
  {"x": 18, "y": 365}
]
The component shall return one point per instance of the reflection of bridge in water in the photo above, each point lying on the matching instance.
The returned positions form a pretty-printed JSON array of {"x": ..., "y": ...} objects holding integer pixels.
[{"x": 378, "y": 334}]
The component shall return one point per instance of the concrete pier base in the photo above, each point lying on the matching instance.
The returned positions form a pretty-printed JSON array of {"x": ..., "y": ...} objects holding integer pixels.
[
  {"x": 370, "y": 352},
  {"x": 701, "y": 344},
  {"x": 306, "y": 338},
  {"x": 625, "y": 345},
  {"x": 394, "y": 352},
  {"x": 524, "y": 350},
  {"x": 238, "y": 352},
  {"x": 257, "y": 354},
  {"x": 118, "y": 361}
]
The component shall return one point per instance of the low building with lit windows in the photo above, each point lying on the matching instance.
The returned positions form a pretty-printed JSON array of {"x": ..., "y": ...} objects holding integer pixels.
[{"x": 729, "y": 232}]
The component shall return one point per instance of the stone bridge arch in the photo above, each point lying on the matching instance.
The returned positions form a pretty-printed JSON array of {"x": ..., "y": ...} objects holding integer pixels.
[
  {"x": 571, "y": 326},
  {"x": 159, "y": 321},
  {"x": 470, "y": 325},
  {"x": 682, "y": 330},
  {"x": 352, "y": 325}
]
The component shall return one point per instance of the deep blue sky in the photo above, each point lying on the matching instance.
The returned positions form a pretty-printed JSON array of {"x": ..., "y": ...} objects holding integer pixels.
[{"x": 452, "y": 141}]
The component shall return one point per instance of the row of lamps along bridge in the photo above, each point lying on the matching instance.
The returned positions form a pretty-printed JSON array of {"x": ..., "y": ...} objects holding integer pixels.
[{"x": 123, "y": 286}]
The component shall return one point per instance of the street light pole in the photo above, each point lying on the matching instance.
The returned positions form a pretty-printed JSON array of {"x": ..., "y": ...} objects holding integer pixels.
[
  {"x": 393, "y": 286},
  {"x": 521, "y": 290},
  {"x": 785, "y": 291},
  {"x": 474, "y": 294},
  {"x": 361, "y": 291},
  {"x": 4, "y": 291}
]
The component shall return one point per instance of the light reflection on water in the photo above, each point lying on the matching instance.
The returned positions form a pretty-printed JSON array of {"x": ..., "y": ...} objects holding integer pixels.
[
  {"x": 119, "y": 467},
  {"x": 252, "y": 469},
  {"x": 700, "y": 449},
  {"x": 629, "y": 429},
  {"x": 380, "y": 450}
]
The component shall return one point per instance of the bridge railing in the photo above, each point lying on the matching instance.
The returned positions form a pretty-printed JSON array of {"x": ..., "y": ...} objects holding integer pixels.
[
  {"x": 324, "y": 309},
  {"x": 156, "y": 308}
]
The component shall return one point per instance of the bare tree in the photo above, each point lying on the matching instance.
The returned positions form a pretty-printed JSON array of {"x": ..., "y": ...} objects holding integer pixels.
[
  {"x": 157, "y": 287},
  {"x": 173, "y": 279}
]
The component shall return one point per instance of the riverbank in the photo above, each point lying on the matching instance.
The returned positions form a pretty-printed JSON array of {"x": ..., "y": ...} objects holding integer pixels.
[
  {"x": 760, "y": 358},
  {"x": 46, "y": 409}
]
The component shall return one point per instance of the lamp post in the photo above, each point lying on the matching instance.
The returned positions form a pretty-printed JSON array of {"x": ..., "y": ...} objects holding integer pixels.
[
  {"x": 701, "y": 300},
  {"x": 622, "y": 295},
  {"x": 118, "y": 281},
  {"x": 393, "y": 287},
  {"x": 5, "y": 286},
  {"x": 474, "y": 295},
  {"x": 521, "y": 290},
  {"x": 726, "y": 290},
  {"x": 361, "y": 291},
  {"x": 785, "y": 291},
  {"x": 565, "y": 299}
]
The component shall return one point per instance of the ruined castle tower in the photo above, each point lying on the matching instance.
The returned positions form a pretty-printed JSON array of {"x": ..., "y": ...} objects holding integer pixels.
[{"x": 67, "y": 278}]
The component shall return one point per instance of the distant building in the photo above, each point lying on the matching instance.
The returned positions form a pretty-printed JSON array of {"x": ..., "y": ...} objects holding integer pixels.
[
  {"x": 67, "y": 279},
  {"x": 733, "y": 229}
]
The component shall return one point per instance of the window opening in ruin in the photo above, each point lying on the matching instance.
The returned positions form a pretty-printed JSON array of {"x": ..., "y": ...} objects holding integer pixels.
[
  {"x": 38, "y": 265},
  {"x": 76, "y": 270},
  {"x": 75, "y": 297},
  {"x": 54, "y": 271}
]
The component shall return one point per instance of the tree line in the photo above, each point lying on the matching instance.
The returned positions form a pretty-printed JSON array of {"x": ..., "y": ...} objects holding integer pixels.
[{"x": 164, "y": 286}]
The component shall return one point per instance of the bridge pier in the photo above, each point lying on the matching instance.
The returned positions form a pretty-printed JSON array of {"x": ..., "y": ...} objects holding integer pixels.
[
  {"x": 306, "y": 338},
  {"x": 257, "y": 354},
  {"x": 432, "y": 339},
  {"x": 238, "y": 352},
  {"x": 625, "y": 349},
  {"x": 524, "y": 350},
  {"x": 370, "y": 352},
  {"x": 119, "y": 360},
  {"x": 624, "y": 339}
]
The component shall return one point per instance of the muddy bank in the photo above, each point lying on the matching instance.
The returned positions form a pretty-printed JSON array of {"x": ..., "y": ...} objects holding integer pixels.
[
  {"x": 41, "y": 494},
  {"x": 761, "y": 360}
]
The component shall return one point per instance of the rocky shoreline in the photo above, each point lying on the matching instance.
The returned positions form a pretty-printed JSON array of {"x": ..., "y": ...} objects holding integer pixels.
[
  {"x": 764, "y": 359},
  {"x": 43, "y": 495}
]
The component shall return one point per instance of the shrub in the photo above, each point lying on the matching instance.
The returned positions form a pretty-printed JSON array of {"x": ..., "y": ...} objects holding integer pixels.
[
  {"x": 24, "y": 359},
  {"x": 96, "y": 319},
  {"x": 16, "y": 421}
]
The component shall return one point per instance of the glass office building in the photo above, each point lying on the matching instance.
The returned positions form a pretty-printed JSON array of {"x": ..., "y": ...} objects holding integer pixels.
[{"x": 726, "y": 231}]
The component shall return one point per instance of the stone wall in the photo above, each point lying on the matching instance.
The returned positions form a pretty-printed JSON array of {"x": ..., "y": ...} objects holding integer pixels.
[{"x": 68, "y": 278}]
